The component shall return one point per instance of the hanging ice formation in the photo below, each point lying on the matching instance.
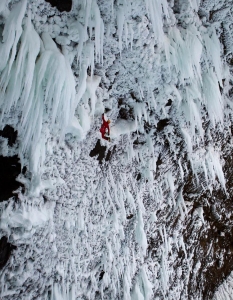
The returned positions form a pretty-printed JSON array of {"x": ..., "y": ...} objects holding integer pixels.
[
  {"x": 134, "y": 227},
  {"x": 47, "y": 94}
]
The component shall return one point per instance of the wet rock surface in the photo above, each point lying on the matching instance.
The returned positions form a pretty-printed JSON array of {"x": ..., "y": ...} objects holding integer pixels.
[
  {"x": 61, "y": 5},
  {"x": 9, "y": 170},
  {"x": 9, "y": 133},
  {"x": 5, "y": 251},
  {"x": 162, "y": 124}
]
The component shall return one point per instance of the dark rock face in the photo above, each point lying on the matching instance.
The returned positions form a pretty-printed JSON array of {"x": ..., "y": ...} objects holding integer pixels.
[
  {"x": 9, "y": 133},
  {"x": 139, "y": 176},
  {"x": 162, "y": 124},
  {"x": 169, "y": 102},
  {"x": 208, "y": 248},
  {"x": 129, "y": 217},
  {"x": 61, "y": 5},
  {"x": 10, "y": 169},
  {"x": 126, "y": 113},
  {"x": 101, "y": 275},
  {"x": 213, "y": 244},
  {"x": 5, "y": 251},
  {"x": 210, "y": 245}
]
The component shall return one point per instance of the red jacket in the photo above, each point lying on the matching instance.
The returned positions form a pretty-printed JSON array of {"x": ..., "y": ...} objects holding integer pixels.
[{"x": 104, "y": 126}]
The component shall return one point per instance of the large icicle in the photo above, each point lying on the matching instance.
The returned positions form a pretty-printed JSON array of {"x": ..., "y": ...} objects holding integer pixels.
[
  {"x": 11, "y": 35},
  {"x": 20, "y": 79},
  {"x": 212, "y": 96},
  {"x": 154, "y": 8}
]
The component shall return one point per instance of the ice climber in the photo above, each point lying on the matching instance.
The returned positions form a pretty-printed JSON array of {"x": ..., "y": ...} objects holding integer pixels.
[{"x": 104, "y": 128}]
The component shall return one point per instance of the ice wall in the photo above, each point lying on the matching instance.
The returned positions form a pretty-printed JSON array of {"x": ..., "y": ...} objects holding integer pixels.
[{"x": 115, "y": 230}]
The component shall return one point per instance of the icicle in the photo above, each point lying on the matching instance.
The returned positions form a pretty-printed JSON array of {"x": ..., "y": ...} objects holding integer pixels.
[
  {"x": 126, "y": 34},
  {"x": 131, "y": 36},
  {"x": 127, "y": 283},
  {"x": 213, "y": 48},
  {"x": 137, "y": 295},
  {"x": 147, "y": 286},
  {"x": 130, "y": 151},
  {"x": 205, "y": 171},
  {"x": 4, "y": 11},
  {"x": 121, "y": 203},
  {"x": 87, "y": 12},
  {"x": 82, "y": 38},
  {"x": 92, "y": 84},
  {"x": 99, "y": 29},
  {"x": 214, "y": 167},
  {"x": 120, "y": 24},
  {"x": 11, "y": 35},
  {"x": 212, "y": 97},
  {"x": 20, "y": 79},
  {"x": 181, "y": 243},
  {"x": 167, "y": 248},
  {"x": 181, "y": 169},
  {"x": 181, "y": 203},
  {"x": 188, "y": 140},
  {"x": 80, "y": 219},
  {"x": 140, "y": 233},
  {"x": 154, "y": 9},
  {"x": 171, "y": 184},
  {"x": 199, "y": 211},
  {"x": 130, "y": 199},
  {"x": 164, "y": 275}
]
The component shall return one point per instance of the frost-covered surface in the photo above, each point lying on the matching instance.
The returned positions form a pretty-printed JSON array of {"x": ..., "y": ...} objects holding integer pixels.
[{"x": 155, "y": 220}]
